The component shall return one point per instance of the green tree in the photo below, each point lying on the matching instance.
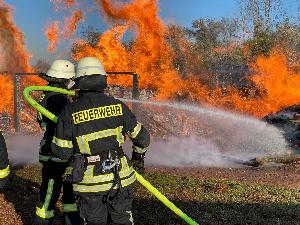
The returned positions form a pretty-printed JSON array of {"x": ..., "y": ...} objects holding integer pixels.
[
  {"x": 259, "y": 19},
  {"x": 217, "y": 41}
]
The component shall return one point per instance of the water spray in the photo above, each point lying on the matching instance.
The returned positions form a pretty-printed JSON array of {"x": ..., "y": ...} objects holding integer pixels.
[{"x": 142, "y": 180}]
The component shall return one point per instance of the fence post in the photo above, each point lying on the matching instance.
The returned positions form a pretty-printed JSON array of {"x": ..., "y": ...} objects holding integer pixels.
[
  {"x": 16, "y": 105},
  {"x": 135, "y": 89},
  {"x": 135, "y": 94}
]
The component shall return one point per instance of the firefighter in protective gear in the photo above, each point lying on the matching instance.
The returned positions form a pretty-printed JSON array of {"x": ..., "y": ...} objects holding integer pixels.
[
  {"x": 59, "y": 74},
  {"x": 91, "y": 132},
  {"x": 4, "y": 162}
]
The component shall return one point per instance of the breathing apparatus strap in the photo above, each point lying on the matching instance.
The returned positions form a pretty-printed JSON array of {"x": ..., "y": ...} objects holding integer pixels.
[{"x": 115, "y": 167}]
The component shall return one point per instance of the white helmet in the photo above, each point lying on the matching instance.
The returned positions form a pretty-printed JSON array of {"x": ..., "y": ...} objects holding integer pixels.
[
  {"x": 89, "y": 66},
  {"x": 62, "y": 69}
]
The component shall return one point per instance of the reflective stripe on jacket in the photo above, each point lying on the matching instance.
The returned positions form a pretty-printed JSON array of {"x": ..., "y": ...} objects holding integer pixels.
[
  {"x": 4, "y": 162},
  {"x": 93, "y": 124},
  {"x": 105, "y": 182}
]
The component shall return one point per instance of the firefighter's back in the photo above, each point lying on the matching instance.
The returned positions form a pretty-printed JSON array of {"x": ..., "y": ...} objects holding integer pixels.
[
  {"x": 90, "y": 133},
  {"x": 97, "y": 123}
]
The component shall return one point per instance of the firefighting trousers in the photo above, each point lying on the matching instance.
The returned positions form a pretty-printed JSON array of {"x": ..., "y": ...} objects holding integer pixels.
[
  {"x": 109, "y": 208},
  {"x": 4, "y": 177},
  {"x": 52, "y": 183},
  {"x": 4, "y": 163}
]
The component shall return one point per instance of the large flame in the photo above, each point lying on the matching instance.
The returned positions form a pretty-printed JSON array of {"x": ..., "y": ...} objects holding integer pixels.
[
  {"x": 54, "y": 33},
  {"x": 152, "y": 58},
  {"x": 149, "y": 54},
  {"x": 71, "y": 23},
  {"x": 14, "y": 56}
]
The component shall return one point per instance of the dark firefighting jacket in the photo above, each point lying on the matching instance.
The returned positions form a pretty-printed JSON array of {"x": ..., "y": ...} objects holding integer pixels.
[
  {"x": 4, "y": 163},
  {"x": 54, "y": 103},
  {"x": 93, "y": 124}
]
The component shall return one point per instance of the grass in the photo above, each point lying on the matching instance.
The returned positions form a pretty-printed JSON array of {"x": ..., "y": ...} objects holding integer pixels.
[{"x": 207, "y": 201}]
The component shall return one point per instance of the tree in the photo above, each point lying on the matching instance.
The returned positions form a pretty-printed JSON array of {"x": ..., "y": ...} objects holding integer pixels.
[
  {"x": 259, "y": 19},
  {"x": 217, "y": 41}
]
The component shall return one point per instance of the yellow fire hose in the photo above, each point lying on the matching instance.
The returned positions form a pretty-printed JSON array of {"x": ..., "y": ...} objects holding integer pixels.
[{"x": 144, "y": 182}]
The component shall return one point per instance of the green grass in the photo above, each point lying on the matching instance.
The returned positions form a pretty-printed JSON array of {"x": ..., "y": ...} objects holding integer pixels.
[{"x": 207, "y": 201}]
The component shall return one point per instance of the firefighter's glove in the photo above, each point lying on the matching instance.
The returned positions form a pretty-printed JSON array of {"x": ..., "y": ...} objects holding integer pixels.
[{"x": 137, "y": 161}]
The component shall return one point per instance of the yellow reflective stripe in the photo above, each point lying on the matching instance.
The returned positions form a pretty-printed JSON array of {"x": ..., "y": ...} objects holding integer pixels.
[
  {"x": 83, "y": 145},
  {"x": 83, "y": 141},
  {"x": 43, "y": 212},
  {"x": 139, "y": 150},
  {"x": 88, "y": 177},
  {"x": 135, "y": 131},
  {"x": 106, "y": 177},
  {"x": 103, "y": 187},
  {"x": 120, "y": 137},
  {"x": 62, "y": 143},
  {"x": 70, "y": 207},
  {"x": 68, "y": 170},
  {"x": 5, "y": 172}
]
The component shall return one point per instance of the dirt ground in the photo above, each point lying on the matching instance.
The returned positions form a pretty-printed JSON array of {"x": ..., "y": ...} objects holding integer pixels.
[
  {"x": 17, "y": 202},
  {"x": 281, "y": 175}
]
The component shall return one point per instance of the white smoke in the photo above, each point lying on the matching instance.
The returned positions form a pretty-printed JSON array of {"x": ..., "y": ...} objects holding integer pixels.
[
  {"x": 23, "y": 149},
  {"x": 203, "y": 137},
  {"x": 200, "y": 138}
]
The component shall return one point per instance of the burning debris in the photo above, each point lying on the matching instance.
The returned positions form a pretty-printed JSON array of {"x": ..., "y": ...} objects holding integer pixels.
[
  {"x": 288, "y": 120},
  {"x": 151, "y": 56},
  {"x": 52, "y": 33}
]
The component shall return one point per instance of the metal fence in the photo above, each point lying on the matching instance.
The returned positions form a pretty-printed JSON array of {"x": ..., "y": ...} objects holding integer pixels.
[{"x": 22, "y": 117}]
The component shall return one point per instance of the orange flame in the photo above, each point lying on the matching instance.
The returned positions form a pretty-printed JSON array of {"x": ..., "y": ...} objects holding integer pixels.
[
  {"x": 67, "y": 4},
  {"x": 149, "y": 55},
  {"x": 71, "y": 23},
  {"x": 53, "y": 33},
  {"x": 14, "y": 56},
  {"x": 152, "y": 58}
]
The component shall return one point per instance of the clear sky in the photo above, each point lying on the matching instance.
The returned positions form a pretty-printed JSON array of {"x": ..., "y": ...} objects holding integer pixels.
[{"x": 33, "y": 16}]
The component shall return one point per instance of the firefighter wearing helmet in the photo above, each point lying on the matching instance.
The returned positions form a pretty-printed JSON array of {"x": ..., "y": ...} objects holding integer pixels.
[
  {"x": 59, "y": 74},
  {"x": 90, "y": 133},
  {"x": 4, "y": 162}
]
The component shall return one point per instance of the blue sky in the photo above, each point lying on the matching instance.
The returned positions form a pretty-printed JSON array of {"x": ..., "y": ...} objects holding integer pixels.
[{"x": 33, "y": 16}]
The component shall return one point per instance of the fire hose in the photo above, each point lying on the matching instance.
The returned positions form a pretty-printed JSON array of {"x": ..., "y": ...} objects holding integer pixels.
[{"x": 143, "y": 181}]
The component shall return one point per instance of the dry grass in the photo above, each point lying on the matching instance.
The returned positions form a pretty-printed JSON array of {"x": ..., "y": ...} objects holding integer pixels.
[{"x": 209, "y": 201}]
